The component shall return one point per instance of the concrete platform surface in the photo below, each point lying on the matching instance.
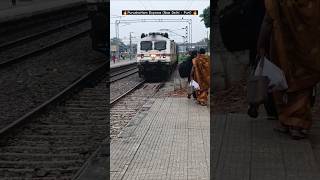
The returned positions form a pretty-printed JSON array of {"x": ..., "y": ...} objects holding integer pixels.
[
  {"x": 249, "y": 149},
  {"x": 29, "y": 8},
  {"x": 169, "y": 139}
]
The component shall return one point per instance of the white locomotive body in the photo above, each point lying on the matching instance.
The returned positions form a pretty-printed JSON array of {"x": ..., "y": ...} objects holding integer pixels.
[{"x": 156, "y": 55}]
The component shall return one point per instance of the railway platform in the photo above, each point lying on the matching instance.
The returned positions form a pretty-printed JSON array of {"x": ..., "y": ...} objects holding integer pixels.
[
  {"x": 29, "y": 8},
  {"x": 168, "y": 139},
  {"x": 245, "y": 148},
  {"x": 249, "y": 149},
  {"x": 121, "y": 63}
]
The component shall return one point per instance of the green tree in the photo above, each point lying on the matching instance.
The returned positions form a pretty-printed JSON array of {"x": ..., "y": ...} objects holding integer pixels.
[{"x": 206, "y": 17}]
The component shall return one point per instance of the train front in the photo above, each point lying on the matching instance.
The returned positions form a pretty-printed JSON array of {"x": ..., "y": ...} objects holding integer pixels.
[{"x": 154, "y": 55}]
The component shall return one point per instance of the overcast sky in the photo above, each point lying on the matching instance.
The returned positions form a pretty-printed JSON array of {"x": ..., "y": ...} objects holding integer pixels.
[{"x": 199, "y": 31}]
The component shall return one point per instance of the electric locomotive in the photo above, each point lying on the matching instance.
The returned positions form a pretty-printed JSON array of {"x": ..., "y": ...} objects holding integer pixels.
[{"x": 156, "y": 55}]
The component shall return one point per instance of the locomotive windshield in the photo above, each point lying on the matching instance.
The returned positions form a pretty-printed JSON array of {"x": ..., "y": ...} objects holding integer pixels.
[
  {"x": 160, "y": 45},
  {"x": 145, "y": 45}
]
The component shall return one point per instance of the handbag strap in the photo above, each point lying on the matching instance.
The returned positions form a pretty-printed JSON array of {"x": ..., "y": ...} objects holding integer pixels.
[
  {"x": 261, "y": 64},
  {"x": 253, "y": 68}
]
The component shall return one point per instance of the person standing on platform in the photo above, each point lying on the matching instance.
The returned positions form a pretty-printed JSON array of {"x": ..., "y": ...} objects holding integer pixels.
[
  {"x": 269, "y": 104},
  {"x": 290, "y": 35},
  {"x": 201, "y": 74},
  {"x": 192, "y": 54},
  {"x": 114, "y": 59}
]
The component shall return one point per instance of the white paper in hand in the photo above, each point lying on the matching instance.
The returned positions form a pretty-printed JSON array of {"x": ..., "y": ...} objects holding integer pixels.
[
  {"x": 275, "y": 74},
  {"x": 194, "y": 84}
]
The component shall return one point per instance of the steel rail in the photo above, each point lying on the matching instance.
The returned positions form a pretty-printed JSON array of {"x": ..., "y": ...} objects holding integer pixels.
[
  {"x": 86, "y": 80},
  {"x": 40, "y": 34},
  {"x": 43, "y": 49}
]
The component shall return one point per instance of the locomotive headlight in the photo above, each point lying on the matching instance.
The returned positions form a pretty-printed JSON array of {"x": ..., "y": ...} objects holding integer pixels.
[{"x": 153, "y": 55}]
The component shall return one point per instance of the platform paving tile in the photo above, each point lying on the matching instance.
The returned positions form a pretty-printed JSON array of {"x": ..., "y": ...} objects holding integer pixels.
[
  {"x": 170, "y": 142},
  {"x": 246, "y": 148}
]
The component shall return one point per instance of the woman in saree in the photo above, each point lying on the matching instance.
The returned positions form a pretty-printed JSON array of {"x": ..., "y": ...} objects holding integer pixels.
[
  {"x": 290, "y": 36},
  {"x": 201, "y": 74}
]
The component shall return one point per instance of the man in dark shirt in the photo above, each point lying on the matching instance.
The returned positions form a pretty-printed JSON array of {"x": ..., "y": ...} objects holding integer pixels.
[{"x": 192, "y": 54}]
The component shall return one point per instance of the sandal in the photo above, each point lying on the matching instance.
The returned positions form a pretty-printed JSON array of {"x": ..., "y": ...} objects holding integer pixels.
[
  {"x": 202, "y": 103},
  {"x": 282, "y": 129},
  {"x": 272, "y": 118},
  {"x": 304, "y": 132},
  {"x": 252, "y": 111},
  {"x": 296, "y": 134}
]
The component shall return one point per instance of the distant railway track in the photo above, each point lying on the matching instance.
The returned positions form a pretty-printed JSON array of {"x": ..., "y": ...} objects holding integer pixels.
[
  {"x": 122, "y": 73},
  {"x": 18, "y": 27},
  {"x": 58, "y": 138},
  {"x": 37, "y": 36},
  {"x": 115, "y": 100}
]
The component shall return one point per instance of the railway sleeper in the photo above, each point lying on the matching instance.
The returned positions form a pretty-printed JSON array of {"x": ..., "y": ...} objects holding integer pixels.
[
  {"x": 17, "y": 171},
  {"x": 45, "y": 149},
  {"x": 39, "y": 157},
  {"x": 39, "y": 164}
]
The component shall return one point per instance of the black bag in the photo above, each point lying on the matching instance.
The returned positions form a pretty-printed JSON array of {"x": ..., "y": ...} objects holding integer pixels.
[
  {"x": 184, "y": 69},
  {"x": 240, "y": 24}
]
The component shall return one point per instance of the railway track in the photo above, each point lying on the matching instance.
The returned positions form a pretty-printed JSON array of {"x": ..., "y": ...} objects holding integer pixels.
[
  {"x": 120, "y": 73},
  {"x": 17, "y": 28},
  {"x": 56, "y": 140},
  {"x": 38, "y": 35},
  {"x": 124, "y": 109},
  {"x": 31, "y": 45}
]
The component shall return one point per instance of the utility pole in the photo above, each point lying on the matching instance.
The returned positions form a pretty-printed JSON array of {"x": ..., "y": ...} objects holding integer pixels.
[
  {"x": 186, "y": 41},
  {"x": 130, "y": 53},
  {"x": 117, "y": 39}
]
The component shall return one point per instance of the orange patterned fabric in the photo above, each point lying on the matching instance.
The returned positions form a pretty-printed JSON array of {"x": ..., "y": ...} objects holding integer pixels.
[
  {"x": 296, "y": 40},
  {"x": 295, "y": 48},
  {"x": 201, "y": 75},
  {"x": 296, "y": 111}
]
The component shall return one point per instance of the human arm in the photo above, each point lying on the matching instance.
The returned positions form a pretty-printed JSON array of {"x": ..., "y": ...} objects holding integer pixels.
[
  {"x": 264, "y": 35},
  {"x": 191, "y": 73}
]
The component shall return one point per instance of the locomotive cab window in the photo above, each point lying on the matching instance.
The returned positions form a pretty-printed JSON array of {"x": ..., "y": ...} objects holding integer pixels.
[
  {"x": 146, "y": 45},
  {"x": 160, "y": 45}
]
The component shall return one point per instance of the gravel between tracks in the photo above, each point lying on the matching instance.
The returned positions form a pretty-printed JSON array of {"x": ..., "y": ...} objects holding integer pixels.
[
  {"x": 231, "y": 100},
  {"x": 28, "y": 84}
]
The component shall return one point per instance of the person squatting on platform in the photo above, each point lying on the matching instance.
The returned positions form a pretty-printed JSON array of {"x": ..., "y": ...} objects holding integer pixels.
[
  {"x": 201, "y": 74},
  {"x": 290, "y": 38}
]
